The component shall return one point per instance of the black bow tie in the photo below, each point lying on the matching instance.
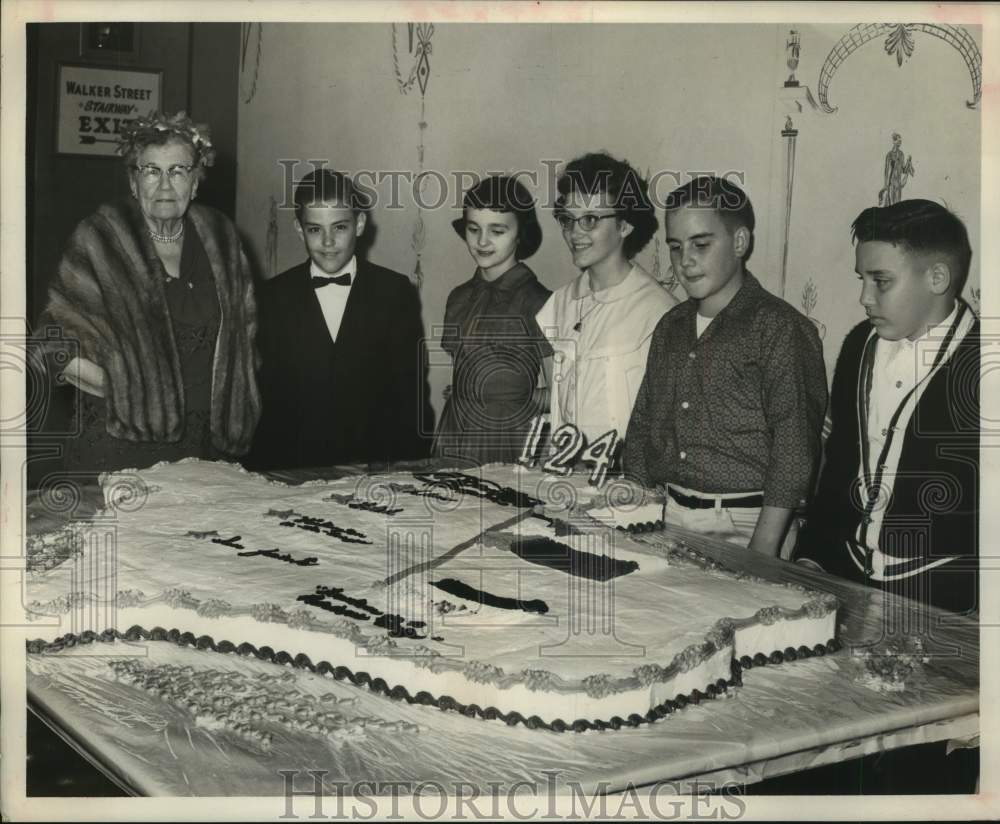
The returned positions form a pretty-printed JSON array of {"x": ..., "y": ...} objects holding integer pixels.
[{"x": 340, "y": 280}]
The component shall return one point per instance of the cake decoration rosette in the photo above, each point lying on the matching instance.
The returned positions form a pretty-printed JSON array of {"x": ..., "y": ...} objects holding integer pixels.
[{"x": 538, "y": 680}]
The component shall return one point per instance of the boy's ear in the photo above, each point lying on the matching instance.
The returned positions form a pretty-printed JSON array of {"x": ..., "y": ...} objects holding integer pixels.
[
  {"x": 939, "y": 277},
  {"x": 298, "y": 228},
  {"x": 361, "y": 219},
  {"x": 741, "y": 241}
]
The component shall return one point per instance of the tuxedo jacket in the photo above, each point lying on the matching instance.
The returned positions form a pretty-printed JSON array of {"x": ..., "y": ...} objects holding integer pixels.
[
  {"x": 933, "y": 508},
  {"x": 363, "y": 398}
]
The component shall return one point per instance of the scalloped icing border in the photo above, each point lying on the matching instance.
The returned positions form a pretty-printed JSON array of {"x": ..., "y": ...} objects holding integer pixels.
[
  {"x": 400, "y": 693},
  {"x": 595, "y": 685}
]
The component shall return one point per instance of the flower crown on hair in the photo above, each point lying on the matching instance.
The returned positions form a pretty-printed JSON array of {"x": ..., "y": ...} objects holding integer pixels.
[{"x": 139, "y": 132}]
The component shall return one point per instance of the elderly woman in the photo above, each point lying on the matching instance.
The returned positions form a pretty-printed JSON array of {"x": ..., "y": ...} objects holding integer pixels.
[{"x": 155, "y": 297}]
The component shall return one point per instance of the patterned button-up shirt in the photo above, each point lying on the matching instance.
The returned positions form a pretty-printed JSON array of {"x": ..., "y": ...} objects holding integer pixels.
[{"x": 739, "y": 409}]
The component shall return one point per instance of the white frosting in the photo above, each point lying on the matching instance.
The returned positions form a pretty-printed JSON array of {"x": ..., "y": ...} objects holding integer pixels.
[
  {"x": 784, "y": 634},
  {"x": 647, "y": 615}
]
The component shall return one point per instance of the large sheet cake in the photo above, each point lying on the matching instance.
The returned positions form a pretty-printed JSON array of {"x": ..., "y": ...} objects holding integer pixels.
[{"x": 500, "y": 592}]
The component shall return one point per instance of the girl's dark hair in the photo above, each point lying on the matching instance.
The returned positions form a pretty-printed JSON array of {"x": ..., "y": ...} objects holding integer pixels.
[
  {"x": 627, "y": 192},
  {"x": 500, "y": 193}
]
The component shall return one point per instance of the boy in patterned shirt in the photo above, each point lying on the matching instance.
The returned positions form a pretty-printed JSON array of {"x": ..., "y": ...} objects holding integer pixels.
[{"x": 729, "y": 414}]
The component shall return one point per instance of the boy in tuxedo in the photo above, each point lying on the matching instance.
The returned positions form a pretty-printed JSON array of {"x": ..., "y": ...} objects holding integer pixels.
[
  {"x": 730, "y": 410},
  {"x": 897, "y": 504},
  {"x": 344, "y": 363}
]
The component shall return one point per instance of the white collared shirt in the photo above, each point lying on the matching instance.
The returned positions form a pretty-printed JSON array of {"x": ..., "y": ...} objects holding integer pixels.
[
  {"x": 899, "y": 367},
  {"x": 333, "y": 298},
  {"x": 600, "y": 341}
]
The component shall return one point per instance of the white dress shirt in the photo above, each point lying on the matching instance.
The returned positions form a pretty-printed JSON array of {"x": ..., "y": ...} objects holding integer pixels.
[
  {"x": 333, "y": 298},
  {"x": 899, "y": 366}
]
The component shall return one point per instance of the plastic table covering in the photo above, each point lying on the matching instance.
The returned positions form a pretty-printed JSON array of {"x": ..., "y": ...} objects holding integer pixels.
[{"x": 783, "y": 718}]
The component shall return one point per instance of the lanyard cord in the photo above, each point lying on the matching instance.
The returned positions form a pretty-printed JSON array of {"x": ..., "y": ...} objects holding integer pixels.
[{"x": 868, "y": 359}]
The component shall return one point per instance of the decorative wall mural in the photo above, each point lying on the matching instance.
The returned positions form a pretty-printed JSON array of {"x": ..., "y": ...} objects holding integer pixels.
[
  {"x": 899, "y": 44},
  {"x": 657, "y": 272},
  {"x": 975, "y": 299},
  {"x": 793, "y": 48},
  {"x": 810, "y": 294},
  {"x": 667, "y": 280},
  {"x": 419, "y": 74},
  {"x": 789, "y": 133},
  {"x": 896, "y": 174},
  {"x": 252, "y": 40},
  {"x": 421, "y": 69},
  {"x": 271, "y": 247}
]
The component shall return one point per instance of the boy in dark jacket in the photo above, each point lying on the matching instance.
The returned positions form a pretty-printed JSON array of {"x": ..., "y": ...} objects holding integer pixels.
[
  {"x": 344, "y": 373},
  {"x": 897, "y": 505}
]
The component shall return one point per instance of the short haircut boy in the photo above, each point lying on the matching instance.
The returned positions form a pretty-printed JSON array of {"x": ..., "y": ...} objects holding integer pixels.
[
  {"x": 921, "y": 227},
  {"x": 727, "y": 199},
  {"x": 343, "y": 376},
  {"x": 905, "y": 419},
  {"x": 328, "y": 186},
  {"x": 730, "y": 410}
]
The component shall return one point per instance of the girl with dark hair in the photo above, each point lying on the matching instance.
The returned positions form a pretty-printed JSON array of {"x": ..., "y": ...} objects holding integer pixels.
[
  {"x": 601, "y": 322},
  {"x": 490, "y": 329}
]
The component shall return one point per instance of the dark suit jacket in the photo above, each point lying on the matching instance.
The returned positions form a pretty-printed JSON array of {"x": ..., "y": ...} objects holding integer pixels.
[
  {"x": 933, "y": 510},
  {"x": 362, "y": 399}
]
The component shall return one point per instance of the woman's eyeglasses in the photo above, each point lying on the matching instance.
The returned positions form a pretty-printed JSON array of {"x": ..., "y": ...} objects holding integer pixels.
[
  {"x": 178, "y": 173},
  {"x": 587, "y": 223}
]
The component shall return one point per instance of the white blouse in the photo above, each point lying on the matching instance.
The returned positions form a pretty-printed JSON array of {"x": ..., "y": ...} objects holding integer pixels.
[{"x": 600, "y": 341}]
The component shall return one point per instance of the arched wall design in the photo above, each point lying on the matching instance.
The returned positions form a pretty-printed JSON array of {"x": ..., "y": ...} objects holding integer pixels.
[
  {"x": 837, "y": 154},
  {"x": 899, "y": 43}
]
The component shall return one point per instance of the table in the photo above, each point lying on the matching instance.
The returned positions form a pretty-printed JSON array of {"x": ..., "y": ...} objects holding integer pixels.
[{"x": 782, "y": 719}]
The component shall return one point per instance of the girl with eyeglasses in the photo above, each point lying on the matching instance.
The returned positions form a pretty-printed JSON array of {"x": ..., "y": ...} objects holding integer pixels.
[
  {"x": 601, "y": 322},
  {"x": 154, "y": 303},
  {"x": 490, "y": 329}
]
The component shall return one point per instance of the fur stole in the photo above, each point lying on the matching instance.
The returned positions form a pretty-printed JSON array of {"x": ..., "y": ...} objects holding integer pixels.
[{"x": 109, "y": 296}]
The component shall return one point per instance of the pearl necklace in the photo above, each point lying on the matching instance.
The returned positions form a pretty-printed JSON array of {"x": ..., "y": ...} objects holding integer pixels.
[{"x": 167, "y": 238}]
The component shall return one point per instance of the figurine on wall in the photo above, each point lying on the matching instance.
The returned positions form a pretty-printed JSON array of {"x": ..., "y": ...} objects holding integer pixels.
[
  {"x": 897, "y": 173},
  {"x": 792, "y": 48}
]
